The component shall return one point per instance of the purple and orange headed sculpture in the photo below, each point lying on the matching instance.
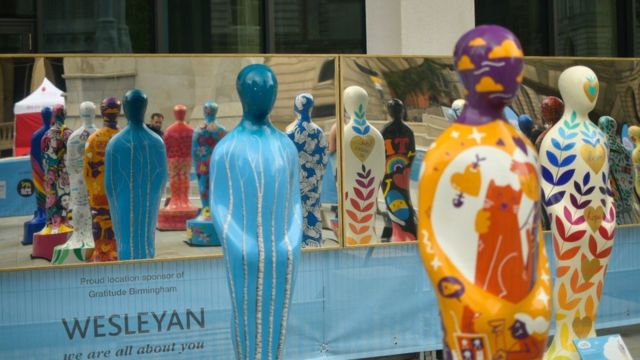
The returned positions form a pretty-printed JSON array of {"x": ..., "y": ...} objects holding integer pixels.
[{"x": 479, "y": 215}]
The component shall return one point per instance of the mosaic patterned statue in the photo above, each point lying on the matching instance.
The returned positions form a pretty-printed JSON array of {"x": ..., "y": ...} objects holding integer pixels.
[
  {"x": 257, "y": 214},
  {"x": 135, "y": 175},
  {"x": 39, "y": 216},
  {"x": 400, "y": 148},
  {"x": 82, "y": 237},
  {"x": 312, "y": 146},
  {"x": 105, "y": 242},
  {"x": 363, "y": 169},
  {"x": 56, "y": 187},
  {"x": 620, "y": 174},
  {"x": 177, "y": 139},
  {"x": 552, "y": 109},
  {"x": 200, "y": 230},
  {"x": 479, "y": 229},
  {"x": 577, "y": 197},
  {"x": 634, "y": 134}
]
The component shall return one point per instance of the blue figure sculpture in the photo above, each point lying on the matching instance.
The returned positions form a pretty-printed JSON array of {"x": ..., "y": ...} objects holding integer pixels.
[
  {"x": 40, "y": 215},
  {"x": 525, "y": 124},
  {"x": 200, "y": 230},
  {"x": 135, "y": 177},
  {"x": 257, "y": 214},
  {"x": 311, "y": 143}
]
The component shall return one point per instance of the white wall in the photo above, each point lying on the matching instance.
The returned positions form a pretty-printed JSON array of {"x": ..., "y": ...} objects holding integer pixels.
[{"x": 417, "y": 27}]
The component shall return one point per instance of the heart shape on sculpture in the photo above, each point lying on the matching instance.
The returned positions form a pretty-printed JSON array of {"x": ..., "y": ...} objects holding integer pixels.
[
  {"x": 591, "y": 90},
  {"x": 589, "y": 268},
  {"x": 594, "y": 156},
  {"x": 467, "y": 182},
  {"x": 582, "y": 326},
  {"x": 594, "y": 217},
  {"x": 362, "y": 146}
]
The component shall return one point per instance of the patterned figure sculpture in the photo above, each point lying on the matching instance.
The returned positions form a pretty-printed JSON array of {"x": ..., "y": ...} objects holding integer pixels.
[
  {"x": 200, "y": 230},
  {"x": 552, "y": 109},
  {"x": 577, "y": 197},
  {"x": 135, "y": 174},
  {"x": 82, "y": 237},
  {"x": 257, "y": 214},
  {"x": 105, "y": 248},
  {"x": 400, "y": 148},
  {"x": 177, "y": 139},
  {"x": 56, "y": 187},
  {"x": 39, "y": 216},
  {"x": 620, "y": 174},
  {"x": 457, "y": 106},
  {"x": 363, "y": 169},
  {"x": 525, "y": 123},
  {"x": 479, "y": 231},
  {"x": 634, "y": 134},
  {"x": 312, "y": 146}
]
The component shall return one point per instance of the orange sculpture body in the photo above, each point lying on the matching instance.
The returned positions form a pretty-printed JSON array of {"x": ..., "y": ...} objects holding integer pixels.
[
  {"x": 94, "y": 154},
  {"x": 479, "y": 214}
]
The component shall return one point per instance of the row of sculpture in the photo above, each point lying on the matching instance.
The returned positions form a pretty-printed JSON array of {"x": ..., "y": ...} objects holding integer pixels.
[{"x": 479, "y": 218}]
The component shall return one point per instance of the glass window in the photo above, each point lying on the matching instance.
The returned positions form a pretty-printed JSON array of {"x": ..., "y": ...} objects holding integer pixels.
[
  {"x": 586, "y": 28},
  {"x": 319, "y": 26}
]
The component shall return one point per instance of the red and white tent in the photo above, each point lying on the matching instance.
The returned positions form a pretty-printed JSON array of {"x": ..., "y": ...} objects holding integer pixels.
[{"x": 27, "y": 113}]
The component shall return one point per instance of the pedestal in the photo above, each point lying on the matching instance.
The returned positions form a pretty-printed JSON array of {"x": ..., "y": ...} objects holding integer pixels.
[
  {"x": 43, "y": 244},
  {"x": 169, "y": 219}
]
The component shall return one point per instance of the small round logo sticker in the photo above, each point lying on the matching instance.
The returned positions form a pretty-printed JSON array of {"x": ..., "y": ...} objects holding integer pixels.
[{"x": 25, "y": 187}]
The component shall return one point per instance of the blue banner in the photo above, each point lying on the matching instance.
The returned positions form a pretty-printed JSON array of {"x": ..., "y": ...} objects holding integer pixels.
[{"x": 17, "y": 191}]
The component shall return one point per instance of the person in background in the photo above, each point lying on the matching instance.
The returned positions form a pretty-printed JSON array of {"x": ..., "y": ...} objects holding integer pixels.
[{"x": 155, "y": 124}]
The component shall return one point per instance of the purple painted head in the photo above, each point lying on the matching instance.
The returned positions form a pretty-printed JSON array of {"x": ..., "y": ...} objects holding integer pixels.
[
  {"x": 110, "y": 109},
  {"x": 210, "y": 110},
  {"x": 489, "y": 62},
  {"x": 59, "y": 114}
]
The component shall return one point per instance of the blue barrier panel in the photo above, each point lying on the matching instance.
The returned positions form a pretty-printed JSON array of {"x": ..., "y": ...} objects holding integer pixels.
[
  {"x": 17, "y": 192},
  {"x": 348, "y": 303}
]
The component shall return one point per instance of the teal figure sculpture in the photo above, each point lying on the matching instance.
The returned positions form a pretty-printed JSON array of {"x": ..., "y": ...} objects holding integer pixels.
[
  {"x": 37, "y": 172},
  {"x": 257, "y": 214},
  {"x": 200, "y": 230},
  {"x": 135, "y": 176},
  {"x": 311, "y": 144}
]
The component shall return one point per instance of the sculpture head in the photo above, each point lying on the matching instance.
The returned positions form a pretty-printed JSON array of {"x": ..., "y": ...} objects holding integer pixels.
[
  {"x": 135, "y": 105},
  {"x": 634, "y": 134},
  {"x": 579, "y": 89},
  {"x": 87, "y": 112},
  {"x": 110, "y": 109},
  {"x": 395, "y": 109},
  {"x": 489, "y": 62},
  {"x": 525, "y": 123},
  {"x": 179, "y": 112},
  {"x": 608, "y": 125},
  {"x": 59, "y": 114},
  {"x": 302, "y": 105},
  {"x": 210, "y": 110},
  {"x": 355, "y": 101},
  {"x": 457, "y": 106},
  {"x": 46, "y": 114},
  {"x": 257, "y": 87},
  {"x": 552, "y": 109}
]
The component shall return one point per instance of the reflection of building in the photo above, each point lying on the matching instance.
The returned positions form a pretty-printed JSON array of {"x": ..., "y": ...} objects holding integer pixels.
[{"x": 585, "y": 27}]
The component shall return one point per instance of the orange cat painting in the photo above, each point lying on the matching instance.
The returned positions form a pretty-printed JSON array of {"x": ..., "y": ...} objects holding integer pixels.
[{"x": 500, "y": 267}]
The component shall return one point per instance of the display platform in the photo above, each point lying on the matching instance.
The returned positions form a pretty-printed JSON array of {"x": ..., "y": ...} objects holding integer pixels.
[{"x": 348, "y": 303}]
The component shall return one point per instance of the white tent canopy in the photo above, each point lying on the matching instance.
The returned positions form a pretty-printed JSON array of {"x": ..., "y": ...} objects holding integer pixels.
[{"x": 47, "y": 94}]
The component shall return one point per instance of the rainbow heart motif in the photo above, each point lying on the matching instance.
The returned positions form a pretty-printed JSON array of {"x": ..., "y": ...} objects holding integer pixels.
[
  {"x": 590, "y": 90},
  {"x": 594, "y": 217},
  {"x": 467, "y": 182},
  {"x": 582, "y": 326},
  {"x": 589, "y": 268},
  {"x": 362, "y": 146},
  {"x": 593, "y": 156}
]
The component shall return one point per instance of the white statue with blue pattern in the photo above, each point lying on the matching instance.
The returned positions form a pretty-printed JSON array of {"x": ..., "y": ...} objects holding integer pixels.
[
  {"x": 311, "y": 143},
  {"x": 257, "y": 214},
  {"x": 135, "y": 177}
]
